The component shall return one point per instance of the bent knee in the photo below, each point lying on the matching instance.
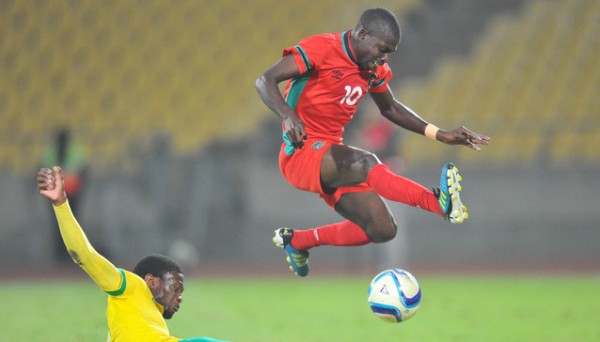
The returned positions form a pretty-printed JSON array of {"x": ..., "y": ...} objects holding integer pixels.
[
  {"x": 366, "y": 162},
  {"x": 383, "y": 233}
]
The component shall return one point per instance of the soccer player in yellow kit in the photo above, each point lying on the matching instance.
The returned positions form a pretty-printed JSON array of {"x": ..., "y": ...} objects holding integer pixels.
[{"x": 138, "y": 301}]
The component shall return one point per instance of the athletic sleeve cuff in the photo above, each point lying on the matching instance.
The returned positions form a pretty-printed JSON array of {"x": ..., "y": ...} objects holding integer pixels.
[
  {"x": 123, "y": 285},
  {"x": 300, "y": 57}
]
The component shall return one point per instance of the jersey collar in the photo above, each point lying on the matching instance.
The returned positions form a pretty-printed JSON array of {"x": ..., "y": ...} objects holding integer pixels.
[{"x": 347, "y": 47}]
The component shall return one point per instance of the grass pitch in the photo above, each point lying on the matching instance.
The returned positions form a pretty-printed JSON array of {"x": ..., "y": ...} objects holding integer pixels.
[{"x": 469, "y": 308}]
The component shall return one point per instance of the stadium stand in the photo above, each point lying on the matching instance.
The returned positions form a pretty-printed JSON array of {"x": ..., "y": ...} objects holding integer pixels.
[
  {"x": 119, "y": 72},
  {"x": 531, "y": 83}
]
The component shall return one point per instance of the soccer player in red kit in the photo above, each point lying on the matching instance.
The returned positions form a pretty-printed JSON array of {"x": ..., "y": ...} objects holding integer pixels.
[{"x": 327, "y": 75}]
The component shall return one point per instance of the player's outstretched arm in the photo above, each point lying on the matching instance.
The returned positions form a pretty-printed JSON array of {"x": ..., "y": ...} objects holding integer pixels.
[
  {"x": 406, "y": 118},
  {"x": 105, "y": 274}
]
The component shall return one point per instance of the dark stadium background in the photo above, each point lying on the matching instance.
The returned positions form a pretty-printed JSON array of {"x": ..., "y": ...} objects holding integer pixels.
[{"x": 182, "y": 153}]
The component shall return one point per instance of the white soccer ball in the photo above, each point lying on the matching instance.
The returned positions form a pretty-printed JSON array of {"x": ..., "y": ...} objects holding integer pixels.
[{"x": 394, "y": 295}]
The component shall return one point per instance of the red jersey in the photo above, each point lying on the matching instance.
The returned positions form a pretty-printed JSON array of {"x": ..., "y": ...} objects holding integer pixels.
[{"x": 331, "y": 84}]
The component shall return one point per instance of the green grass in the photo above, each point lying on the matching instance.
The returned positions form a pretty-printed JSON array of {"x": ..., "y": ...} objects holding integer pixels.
[{"x": 471, "y": 308}]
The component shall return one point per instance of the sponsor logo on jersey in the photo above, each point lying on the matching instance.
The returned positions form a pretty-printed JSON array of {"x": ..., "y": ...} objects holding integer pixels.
[{"x": 337, "y": 74}]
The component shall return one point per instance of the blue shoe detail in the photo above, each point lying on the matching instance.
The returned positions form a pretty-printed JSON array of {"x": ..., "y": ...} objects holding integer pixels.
[
  {"x": 444, "y": 195},
  {"x": 449, "y": 195},
  {"x": 298, "y": 259}
]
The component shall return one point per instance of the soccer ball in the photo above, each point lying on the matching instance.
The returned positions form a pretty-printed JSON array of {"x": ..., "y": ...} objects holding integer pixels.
[{"x": 394, "y": 295}]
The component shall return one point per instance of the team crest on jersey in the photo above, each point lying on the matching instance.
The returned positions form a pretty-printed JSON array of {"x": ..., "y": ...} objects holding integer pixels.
[{"x": 317, "y": 145}]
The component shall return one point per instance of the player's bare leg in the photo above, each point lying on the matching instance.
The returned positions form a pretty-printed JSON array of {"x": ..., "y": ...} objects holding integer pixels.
[
  {"x": 370, "y": 213},
  {"x": 346, "y": 166}
]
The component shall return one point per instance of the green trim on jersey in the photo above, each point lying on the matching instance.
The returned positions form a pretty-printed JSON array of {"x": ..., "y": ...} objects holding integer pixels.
[
  {"x": 296, "y": 89},
  {"x": 123, "y": 285},
  {"x": 382, "y": 81},
  {"x": 346, "y": 46},
  {"x": 304, "y": 57}
]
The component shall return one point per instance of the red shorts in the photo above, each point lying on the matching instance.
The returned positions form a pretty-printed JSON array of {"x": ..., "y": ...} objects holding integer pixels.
[{"x": 303, "y": 170}]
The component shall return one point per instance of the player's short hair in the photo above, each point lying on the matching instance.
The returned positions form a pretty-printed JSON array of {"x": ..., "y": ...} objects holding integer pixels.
[
  {"x": 379, "y": 21},
  {"x": 157, "y": 265}
]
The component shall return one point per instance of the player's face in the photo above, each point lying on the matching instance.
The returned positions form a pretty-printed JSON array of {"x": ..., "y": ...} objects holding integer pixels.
[
  {"x": 374, "y": 50},
  {"x": 169, "y": 293}
]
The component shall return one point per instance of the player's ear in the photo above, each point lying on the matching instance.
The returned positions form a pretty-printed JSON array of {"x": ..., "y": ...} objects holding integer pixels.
[
  {"x": 150, "y": 280},
  {"x": 362, "y": 33}
]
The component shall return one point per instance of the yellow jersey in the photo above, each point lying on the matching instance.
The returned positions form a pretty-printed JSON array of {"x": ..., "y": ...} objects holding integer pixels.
[{"x": 132, "y": 313}]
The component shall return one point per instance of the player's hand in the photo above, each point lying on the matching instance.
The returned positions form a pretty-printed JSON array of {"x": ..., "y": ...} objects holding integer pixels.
[
  {"x": 51, "y": 185},
  {"x": 294, "y": 130},
  {"x": 463, "y": 136}
]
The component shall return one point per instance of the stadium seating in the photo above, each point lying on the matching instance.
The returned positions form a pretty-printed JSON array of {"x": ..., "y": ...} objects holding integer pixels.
[
  {"x": 119, "y": 72},
  {"x": 531, "y": 83}
]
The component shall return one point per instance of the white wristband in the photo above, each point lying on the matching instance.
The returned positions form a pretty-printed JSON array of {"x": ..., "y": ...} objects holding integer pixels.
[{"x": 431, "y": 131}]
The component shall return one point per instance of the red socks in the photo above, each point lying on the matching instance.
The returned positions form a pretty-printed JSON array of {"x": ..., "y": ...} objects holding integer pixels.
[
  {"x": 344, "y": 233},
  {"x": 399, "y": 189},
  {"x": 387, "y": 184}
]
